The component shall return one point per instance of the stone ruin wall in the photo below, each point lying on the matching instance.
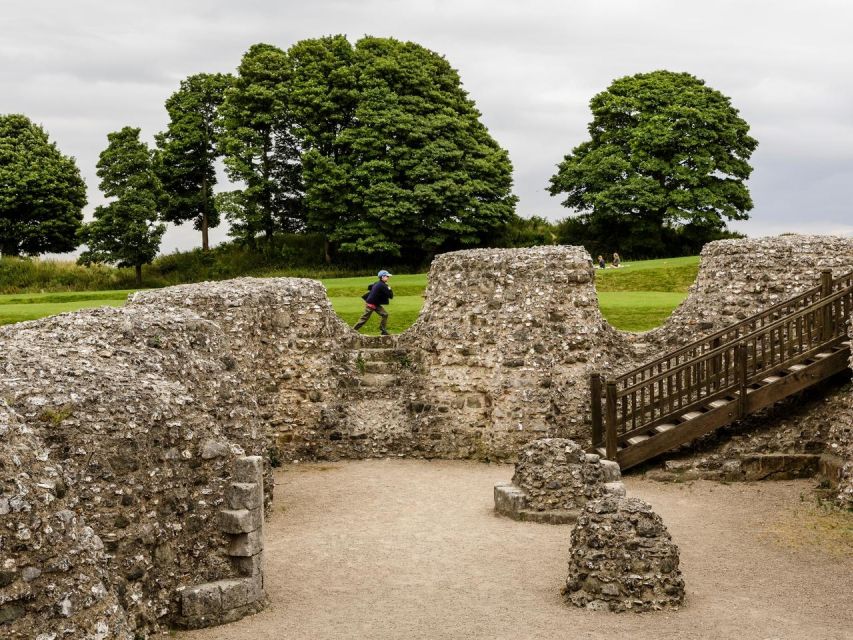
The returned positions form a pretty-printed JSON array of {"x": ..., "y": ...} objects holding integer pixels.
[
  {"x": 120, "y": 428},
  {"x": 738, "y": 278},
  {"x": 507, "y": 339}
]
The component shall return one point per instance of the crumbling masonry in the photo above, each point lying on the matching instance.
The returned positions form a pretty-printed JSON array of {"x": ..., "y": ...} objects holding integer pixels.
[{"x": 124, "y": 433}]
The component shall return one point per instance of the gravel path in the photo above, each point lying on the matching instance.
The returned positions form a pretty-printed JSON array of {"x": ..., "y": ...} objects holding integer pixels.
[{"x": 412, "y": 549}]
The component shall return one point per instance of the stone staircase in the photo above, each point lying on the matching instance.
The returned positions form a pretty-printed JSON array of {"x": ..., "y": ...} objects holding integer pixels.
[{"x": 379, "y": 361}]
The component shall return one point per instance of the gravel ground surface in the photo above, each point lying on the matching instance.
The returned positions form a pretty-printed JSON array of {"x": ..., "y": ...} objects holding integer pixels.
[{"x": 412, "y": 549}]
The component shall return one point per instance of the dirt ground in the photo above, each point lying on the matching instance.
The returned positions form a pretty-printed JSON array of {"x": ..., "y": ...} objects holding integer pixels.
[{"x": 413, "y": 549}]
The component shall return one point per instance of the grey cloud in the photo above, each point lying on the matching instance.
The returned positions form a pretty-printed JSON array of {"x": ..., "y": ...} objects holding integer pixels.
[{"x": 83, "y": 69}]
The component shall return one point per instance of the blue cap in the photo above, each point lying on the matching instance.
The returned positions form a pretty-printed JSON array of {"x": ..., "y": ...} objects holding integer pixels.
[{"x": 383, "y": 273}]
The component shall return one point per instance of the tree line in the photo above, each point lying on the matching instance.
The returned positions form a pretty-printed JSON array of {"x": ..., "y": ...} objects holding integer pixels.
[{"x": 376, "y": 147}]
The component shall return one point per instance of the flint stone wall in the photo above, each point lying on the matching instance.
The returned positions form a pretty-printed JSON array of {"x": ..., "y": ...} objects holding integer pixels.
[
  {"x": 135, "y": 420},
  {"x": 738, "y": 278},
  {"x": 507, "y": 339},
  {"x": 622, "y": 558},
  {"x": 554, "y": 478}
]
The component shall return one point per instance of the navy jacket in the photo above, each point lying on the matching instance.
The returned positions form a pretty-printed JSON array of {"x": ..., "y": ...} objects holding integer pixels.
[{"x": 380, "y": 293}]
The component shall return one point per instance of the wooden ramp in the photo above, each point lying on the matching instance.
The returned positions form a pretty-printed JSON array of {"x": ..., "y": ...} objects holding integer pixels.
[{"x": 723, "y": 377}]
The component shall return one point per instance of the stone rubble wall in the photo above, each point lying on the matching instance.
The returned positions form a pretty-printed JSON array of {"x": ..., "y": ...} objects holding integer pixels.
[
  {"x": 289, "y": 348},
  {"x": 554, "y": 478},
  {"x": 137, "y": 415},
  {"x": 840, "y": 448},
  {"x": 556, "y": 473},
  {"x": 738, "y": 278},
  {"x": 54, "y": 572},
  {"x": 135, "y": 419},
  {"x": 223, "y": 601},
  {"x": 507, "y": 339},
  {"x": 622, "y": 558}
]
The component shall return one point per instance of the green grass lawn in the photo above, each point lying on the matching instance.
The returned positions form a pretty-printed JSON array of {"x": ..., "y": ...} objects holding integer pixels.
[
  {"x": 18, "y": 307},
  {"x": 636, "y": 297}
]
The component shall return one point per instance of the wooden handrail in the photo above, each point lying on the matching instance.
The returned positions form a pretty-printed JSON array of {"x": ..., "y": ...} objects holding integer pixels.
[
  {"x": 724, "y": 363},
  {"x": 725, "y": 335}
]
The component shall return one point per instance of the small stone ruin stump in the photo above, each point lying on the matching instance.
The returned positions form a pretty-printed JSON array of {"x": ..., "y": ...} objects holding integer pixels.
[
  {"x": 622, "y": 558},
  {"x": 554, "y": 478}
]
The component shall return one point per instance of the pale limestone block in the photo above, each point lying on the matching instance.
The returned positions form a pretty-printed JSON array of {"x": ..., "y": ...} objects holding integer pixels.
[
  {"x": 201, "y": 601},
  {"x": 247, "y": 544},
  {"x": 240, "y": 520},
  {"x": 248, "y": 469},
  {"x": 244, "y": 495}
]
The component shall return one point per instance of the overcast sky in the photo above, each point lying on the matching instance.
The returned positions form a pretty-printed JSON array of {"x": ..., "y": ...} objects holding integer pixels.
[{"x": 83, "y": 69}]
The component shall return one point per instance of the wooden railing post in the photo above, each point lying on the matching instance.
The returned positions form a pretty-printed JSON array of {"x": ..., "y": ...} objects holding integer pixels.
[
  {"x": 611, "y": 439},
  {"x": 826, "y": 316},
  {"x": 741, "y": 355},
  {"x": 715, "y": 364},
  {"x": 595, "y": 400}
]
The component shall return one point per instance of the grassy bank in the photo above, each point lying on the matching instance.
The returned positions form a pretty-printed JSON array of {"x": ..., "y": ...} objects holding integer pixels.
[{"x": 636, "y": 297}]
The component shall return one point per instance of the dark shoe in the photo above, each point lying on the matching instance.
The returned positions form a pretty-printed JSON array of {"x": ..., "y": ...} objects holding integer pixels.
[{"x": 383, "y": 333}]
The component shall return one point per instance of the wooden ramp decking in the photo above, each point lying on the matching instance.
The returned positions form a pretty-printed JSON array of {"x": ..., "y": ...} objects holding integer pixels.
[{"x": 723, "y": 377}]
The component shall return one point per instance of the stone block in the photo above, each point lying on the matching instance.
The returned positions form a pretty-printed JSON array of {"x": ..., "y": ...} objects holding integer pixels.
[
  {"x": 610, "y": 471},
  {"x": 201, "y": 601},
  {"x": 248, "y": 469},
  {"x": 244, "y": 495},
  {"x": 250, "y": 566},
  {"x": 509, "y": 499},
  {"x": 246, "y": 544},
  {"x": 240, "y": 520},
  {"x": 614, "y": 489},
  {"x": 234, "y": 593}
]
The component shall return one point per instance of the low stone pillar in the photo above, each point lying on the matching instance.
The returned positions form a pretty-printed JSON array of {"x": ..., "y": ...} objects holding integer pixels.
[
  {"x": 222, "y": 601},
  {"x": 554, "y": 478},
  {"x": 622, "y": 558}
]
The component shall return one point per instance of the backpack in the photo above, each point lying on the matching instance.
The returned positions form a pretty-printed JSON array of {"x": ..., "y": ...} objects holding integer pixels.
[{"x": 369, "y": 288}]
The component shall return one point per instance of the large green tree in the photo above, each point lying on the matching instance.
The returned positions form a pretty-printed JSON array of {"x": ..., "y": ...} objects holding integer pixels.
[
  {"x": 127, "y": 229},
  {"x": 259, "y": 146},
  {"x": 323, "y": 96},
  {"x": 664, "y": 150},
  {"x": 188, "y": 152},
  {"x": 395, "y": 158},
  {"x": 41, "y": 192}
]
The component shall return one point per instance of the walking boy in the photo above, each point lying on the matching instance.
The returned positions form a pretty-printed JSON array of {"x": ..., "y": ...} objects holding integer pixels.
[{"x": 380, "y": 293}]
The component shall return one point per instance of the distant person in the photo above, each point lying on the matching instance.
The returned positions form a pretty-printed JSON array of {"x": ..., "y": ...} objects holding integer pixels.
[
  {"x": 617, "y": 261},
  {"x": 601, "y": 263},
  {"x": 378, "y": 293}
]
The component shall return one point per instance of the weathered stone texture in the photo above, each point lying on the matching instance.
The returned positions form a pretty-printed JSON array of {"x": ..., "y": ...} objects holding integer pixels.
[
  {"x": 554, "y": 478},
  {"x": 507, "y": 340},
  {"x": 135, "y": 418},
  {"x": 557, "y": 473},
  {"x": 622, "y": 558},
  {"x": 738, "y": 278}
]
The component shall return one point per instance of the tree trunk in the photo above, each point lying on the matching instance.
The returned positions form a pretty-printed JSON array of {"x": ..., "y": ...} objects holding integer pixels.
[
  {"x": 204, "y": 224},
  {"x": 204, "y": 216},
  {"x": 327, "y": 249},
  {"x": 139, "y": 275}
]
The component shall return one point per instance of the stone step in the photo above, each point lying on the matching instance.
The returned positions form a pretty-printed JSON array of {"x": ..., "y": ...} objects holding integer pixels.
[
  {"x": 380, "y": 366},
  {"x": 386, "y": 342},
  {"x": 381, "y": 355},
  {"x": 379, "y": 380}
]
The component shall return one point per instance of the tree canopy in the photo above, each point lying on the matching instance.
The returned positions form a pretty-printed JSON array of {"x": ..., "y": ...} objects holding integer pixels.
[
  {"x": 41, "y": 192},
  {"x": 664, "y": 149},
  {"x": 188, "y": 152},
  {"x": 259, "y": 145},
  {"x": 127, "y": 230},
  {"x": 395, "y": 156}
]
